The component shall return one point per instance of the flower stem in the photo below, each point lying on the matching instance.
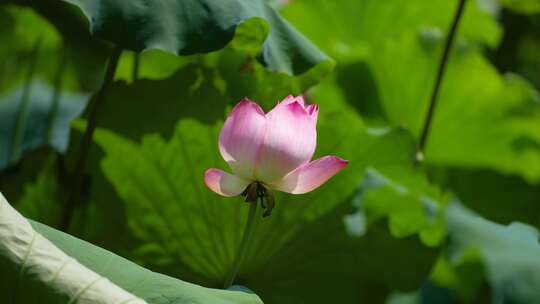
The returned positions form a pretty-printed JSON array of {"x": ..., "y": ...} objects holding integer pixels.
[
  {"x": 436, "y": 87},
  {"x": 241, "y": 252}
]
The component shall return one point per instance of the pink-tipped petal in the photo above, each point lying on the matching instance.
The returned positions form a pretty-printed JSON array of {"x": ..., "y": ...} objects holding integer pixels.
[
  {"x": 241, "y": 136},
  {"x": 310, "y": 176},
  {"x": 223, "y": 183},
  {"x": 290, "y": 99},
  {"x": 313, "y": 111},
  {"x": 290, "y": 142}
]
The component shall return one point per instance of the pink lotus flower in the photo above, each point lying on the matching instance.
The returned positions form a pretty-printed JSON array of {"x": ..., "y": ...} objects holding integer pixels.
[{"x": 272, "y": 149}]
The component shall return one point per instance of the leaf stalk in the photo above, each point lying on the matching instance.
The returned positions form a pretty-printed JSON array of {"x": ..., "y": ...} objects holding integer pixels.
[
  {"x": 436, "y": 88},
  {"x": 84, "y": 147}
]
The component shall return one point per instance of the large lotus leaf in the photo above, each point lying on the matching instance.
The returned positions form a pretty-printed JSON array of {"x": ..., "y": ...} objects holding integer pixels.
[
  {"x": 34, "y": 270},
  {"x": 70, "y": 270},
  {"x": 150, "y": 286},
  {"x": 40, "y": 271},
  {"x": 195, "y": 26}
]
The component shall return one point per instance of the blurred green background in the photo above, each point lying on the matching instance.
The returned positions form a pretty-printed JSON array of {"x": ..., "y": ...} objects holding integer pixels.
[{"x": 458, "y": 228}]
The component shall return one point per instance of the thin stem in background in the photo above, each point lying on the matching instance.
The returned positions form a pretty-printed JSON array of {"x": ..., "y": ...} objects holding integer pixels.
[
  {"x": 242, "y": 248},
  {"x": 442, "y": 66},
  {"x": 55, "y": 103},
  {"x": 136, "y": 66},
  {"x": 78, "y": 173},
  {"x": 22, "y": 115}
]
